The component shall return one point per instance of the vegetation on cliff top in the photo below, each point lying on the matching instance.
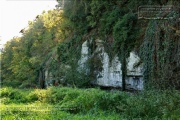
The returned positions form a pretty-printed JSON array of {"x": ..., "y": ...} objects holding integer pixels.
[{"x": 53, "y": 41}]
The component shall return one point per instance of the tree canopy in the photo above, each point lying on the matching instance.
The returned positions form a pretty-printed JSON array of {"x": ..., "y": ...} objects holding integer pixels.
[{"x": 58, "y": 34}]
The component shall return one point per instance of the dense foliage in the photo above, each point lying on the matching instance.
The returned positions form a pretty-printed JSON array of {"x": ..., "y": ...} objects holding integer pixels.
[
  {"x": 53, "y": 42},
  {"x": 73, "y": 103}
]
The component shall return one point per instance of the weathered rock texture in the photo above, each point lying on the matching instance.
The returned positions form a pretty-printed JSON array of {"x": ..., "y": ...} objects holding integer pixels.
[{"x": 111, "y": 74}]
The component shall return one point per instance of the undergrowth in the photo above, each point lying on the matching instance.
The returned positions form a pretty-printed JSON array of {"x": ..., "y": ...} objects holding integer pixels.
[{"x": 73, "y": 103}]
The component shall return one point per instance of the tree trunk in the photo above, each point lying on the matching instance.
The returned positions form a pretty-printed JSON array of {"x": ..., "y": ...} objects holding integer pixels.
[{"x": 42, "y": 78}]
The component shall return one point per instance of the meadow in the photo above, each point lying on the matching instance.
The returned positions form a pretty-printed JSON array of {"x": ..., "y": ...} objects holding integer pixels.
[{"x": 63, "y": 103}]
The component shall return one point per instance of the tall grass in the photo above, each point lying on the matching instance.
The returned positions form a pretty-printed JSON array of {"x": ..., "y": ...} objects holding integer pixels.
[{"x": 89, "y": 103}]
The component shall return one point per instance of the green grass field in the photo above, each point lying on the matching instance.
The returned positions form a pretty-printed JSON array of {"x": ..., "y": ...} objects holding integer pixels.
[{"x": 61, "y": 103}]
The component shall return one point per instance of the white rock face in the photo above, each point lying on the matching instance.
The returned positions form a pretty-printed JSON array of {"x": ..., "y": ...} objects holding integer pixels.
[
  {"x": 111, "y": 74},
  {"x": 134, "y": 79},
  {"x": 132, "y": 60},
  {"x": 84, "y": 57}
]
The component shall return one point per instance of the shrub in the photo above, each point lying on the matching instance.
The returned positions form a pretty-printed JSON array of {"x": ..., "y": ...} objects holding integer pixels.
[
  {"x": 6, "y": 92},
  {"x": 13, "y": 95},
  {"x": 39, "y": 95},
  {"x": 4, "y": 100},
  {"x": 144, "y": 105}
]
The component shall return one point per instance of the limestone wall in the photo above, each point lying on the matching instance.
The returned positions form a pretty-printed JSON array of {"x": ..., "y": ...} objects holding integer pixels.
[{"x": 111, "y": 74}]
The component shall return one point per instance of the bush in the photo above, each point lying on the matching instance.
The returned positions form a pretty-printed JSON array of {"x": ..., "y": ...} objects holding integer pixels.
[
  {"x": 13, "y": 95},
  {"x": 144, "y": 105},
  {"x": 154, "y": 104},
  {"x": 6, "y": 92},
  {"x": 39, "y": 95},
  {"x": 4, "y": 100}
]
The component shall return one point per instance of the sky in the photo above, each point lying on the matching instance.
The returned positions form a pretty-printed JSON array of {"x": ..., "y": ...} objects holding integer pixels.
[{"x": 15, "y": 14}]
